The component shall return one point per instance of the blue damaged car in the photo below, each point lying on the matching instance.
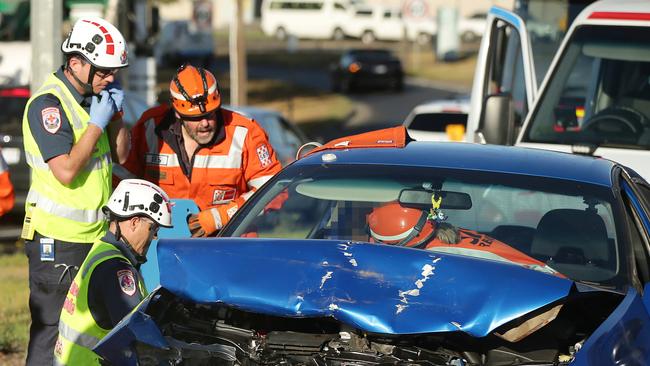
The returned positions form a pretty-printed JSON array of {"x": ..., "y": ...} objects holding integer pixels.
[{"x": 531, "y": 257}]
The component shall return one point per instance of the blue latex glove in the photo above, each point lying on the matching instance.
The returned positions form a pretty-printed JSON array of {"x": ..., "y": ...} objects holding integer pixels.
[
  {"x": 116, "y": 92},
  {"x": 101, "y": 111}
]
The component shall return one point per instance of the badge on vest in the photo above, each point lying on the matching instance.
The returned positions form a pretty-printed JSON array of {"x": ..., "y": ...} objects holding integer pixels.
[
  {"x": 221, "y": 196},
  {"x": 47, "y": 249},
  {"x": 127, "y": 281},
  {"x": 155, "y": 159},
  {"x": 51, "y": 119}
]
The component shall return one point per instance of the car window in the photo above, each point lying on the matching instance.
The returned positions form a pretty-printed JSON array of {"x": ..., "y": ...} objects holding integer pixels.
[
  {"x": 437, "y": 122},
  {"x": 570, "y": 226}
]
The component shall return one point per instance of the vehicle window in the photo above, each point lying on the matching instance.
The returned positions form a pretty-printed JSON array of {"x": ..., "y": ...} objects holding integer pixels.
[
  {"x": 437, "y": 122},
  {"x": 364, "y": 13},
  {"x": 387, "y": 14},
  {"x": 339, "y": 6},
  {"x": 600, "y": 92},
  {"x": 568, "y": 226}
]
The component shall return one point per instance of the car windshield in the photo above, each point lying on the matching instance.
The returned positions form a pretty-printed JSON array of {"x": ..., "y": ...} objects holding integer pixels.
[
  {"x": 600, "y": 92},
  {"x": 556, "y": 225}
]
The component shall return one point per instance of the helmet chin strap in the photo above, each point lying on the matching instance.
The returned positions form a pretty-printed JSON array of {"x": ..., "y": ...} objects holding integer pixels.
[{"x": 87, "y": 86}]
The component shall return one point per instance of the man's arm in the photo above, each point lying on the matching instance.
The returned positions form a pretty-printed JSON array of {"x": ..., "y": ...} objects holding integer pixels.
[
  {"x": 118, "y": 137},
  {"x": 65, "y": 167}
]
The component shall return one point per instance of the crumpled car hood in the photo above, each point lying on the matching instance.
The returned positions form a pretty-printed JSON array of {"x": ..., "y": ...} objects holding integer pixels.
[{"x": 375, "y": 288}]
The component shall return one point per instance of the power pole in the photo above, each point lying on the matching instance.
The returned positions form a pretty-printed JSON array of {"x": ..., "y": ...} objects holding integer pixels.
[
  {"x": 45, "y": 36},
  {"x": 238, "y": 77}
]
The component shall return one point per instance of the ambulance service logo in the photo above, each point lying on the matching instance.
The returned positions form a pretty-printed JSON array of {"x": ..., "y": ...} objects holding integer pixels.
[
  {"x": 51, "y": 119},
  {"x": 127, "y": 281}
]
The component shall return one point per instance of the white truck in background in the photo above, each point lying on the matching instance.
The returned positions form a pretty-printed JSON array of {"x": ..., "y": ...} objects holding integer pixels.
[{"x": 594, "y": 98}]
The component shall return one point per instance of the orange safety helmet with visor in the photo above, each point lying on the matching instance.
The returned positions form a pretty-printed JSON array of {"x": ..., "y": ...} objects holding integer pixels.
[
  {"x": 194, "y": 92},
  {"x": 403, "y": 226}
]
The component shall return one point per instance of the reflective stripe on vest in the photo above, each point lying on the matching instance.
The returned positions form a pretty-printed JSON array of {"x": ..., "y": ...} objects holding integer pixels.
[
  {"x": 78, "y": 338},
  {"x": 94, "y": 163},
  {"x": 259, "y": 181},
  {"x": 60, "y": 210},
  {"x": 232, "y": 160},
  {"x": 69, "y": 212}
]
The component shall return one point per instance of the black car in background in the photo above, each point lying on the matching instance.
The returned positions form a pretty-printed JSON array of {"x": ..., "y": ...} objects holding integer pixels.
[{"x": 367, "y": 68}]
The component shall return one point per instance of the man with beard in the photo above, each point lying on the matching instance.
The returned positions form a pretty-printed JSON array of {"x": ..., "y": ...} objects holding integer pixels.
[{"x": 195, "y": 149}]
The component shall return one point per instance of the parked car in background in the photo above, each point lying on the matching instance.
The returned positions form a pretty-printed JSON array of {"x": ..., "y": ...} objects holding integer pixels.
[
  {"x": 471, "y": 28},
  {"x": 439, "y": 120},
  {"x": 358, "y": 68},
  {"x": 285, "y": 137},
  {"x": 548, "y": 265}
]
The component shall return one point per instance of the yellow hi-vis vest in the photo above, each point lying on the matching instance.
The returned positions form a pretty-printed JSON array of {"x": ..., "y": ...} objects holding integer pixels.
[
  {"x": 78, "y": 331},
  {"x": 68, "y": 212}
]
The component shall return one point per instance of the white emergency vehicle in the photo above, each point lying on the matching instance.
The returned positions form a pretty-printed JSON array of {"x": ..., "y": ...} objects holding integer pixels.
[{"x": 594, "y": 99}]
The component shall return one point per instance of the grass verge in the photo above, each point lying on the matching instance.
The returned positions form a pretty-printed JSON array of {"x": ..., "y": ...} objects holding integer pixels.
[{"x": 14, "y": 309}]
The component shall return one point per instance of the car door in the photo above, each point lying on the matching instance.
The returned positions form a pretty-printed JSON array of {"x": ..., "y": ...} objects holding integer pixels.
[
  {"x": 504, "y": 82},
  {"x": 622, "y": 339}
]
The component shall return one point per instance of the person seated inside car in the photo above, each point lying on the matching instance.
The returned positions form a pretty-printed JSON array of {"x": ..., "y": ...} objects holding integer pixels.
[{"x": 394, "y": 224}]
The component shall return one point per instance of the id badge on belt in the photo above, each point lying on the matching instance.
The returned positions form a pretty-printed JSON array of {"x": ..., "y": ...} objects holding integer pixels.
[{"x": 47, "y": 249}]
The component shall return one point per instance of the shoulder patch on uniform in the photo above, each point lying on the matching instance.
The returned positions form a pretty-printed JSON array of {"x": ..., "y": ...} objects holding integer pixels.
[
  {"x": 127, "y": 281},
  {"x": 51, "y": 119},
  {"x": 263, "y": 155}
]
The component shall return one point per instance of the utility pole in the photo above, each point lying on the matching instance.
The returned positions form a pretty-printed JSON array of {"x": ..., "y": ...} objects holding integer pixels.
[
  {"x": 238, "y": 77},
  {"x": 45, "y": 36}
]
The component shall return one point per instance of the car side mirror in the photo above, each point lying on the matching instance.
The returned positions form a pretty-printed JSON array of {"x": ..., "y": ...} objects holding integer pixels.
[{"x": 497, "y": 120}]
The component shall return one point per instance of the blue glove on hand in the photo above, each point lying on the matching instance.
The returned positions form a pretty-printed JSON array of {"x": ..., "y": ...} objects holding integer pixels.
[
  {"x": 116, "y": 92},
  {"x": 101, "y": 111}
]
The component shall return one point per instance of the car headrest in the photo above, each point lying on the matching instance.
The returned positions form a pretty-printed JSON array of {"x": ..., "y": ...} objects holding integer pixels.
[{"x": 571, "y": 231}]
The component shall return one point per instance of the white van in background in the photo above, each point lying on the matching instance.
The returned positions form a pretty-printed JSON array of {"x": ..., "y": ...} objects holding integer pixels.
[
  {"x": 371, "y": 23},
  {"x": 311, "y": 19}
]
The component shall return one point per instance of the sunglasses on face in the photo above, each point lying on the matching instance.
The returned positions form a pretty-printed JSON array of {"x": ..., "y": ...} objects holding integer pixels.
[{"x": 104, "y": 73}]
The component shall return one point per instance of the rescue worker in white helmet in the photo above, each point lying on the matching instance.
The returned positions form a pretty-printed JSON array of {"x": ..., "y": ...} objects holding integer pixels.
[
  {"x": 196, "y": 149},
  {"x": 73, "y": 131},
  {"x": 108, "y": 285}
]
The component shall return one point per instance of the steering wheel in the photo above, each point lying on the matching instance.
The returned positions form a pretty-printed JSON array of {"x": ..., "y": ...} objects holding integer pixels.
[{"x": 616, "y": 124}]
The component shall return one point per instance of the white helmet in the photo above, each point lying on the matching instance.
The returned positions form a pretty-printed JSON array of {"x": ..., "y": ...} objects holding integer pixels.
[
  {"x": 137, "y": 197},
  {"x": 98, "y": 41}
]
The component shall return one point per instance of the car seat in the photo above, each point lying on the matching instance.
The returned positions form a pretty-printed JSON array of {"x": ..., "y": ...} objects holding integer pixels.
[{"x": 572, "y": 236}]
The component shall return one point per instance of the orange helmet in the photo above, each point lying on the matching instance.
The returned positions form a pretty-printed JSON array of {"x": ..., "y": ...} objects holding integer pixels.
[
  {"x": 394, "y": 224},
  {"x": 194, "y": 91}
]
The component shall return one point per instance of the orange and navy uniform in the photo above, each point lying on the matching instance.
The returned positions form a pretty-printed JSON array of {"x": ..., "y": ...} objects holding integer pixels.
[
  {"x": 222, "y": 175},
  {"x": 7, "y": 196}
]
